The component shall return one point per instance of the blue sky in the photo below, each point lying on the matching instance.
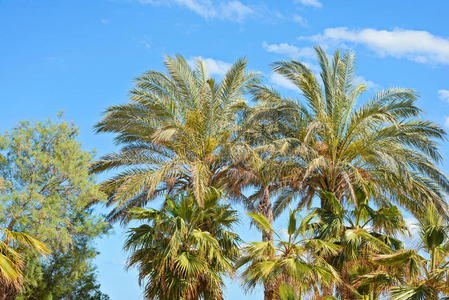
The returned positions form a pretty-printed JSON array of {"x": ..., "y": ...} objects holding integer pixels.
[{"x": 81, "y": 56}]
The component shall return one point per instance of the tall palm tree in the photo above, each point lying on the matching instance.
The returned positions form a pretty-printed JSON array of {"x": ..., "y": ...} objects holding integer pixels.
[
  {"x": 262, "y": 170},
  {"x": 340, "y": 143},
  {"x": 12, "y": 246},
  {"x": 424, "y": 271},
  {"x": 291, "y": 261},
  {"x": 183, "y": 251},
  {"x": 176, "y": 132}
]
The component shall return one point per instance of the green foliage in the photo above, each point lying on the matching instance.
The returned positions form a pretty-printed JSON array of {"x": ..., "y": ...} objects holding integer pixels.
[
  {"x": 65, "y": 275},
  {"x": 176, "y": 131},
  {"x": 341, "y": 144},
  {"x": 12, "y": 247},
  {"x": 48, "y": 192},
  {"x": 361, "y": 233},
  {"x": 183, "y": 251},
  {"x": 363, "y": 161},
  {"x": 422, "y": 276},
  {"x": 290, "y": 267},
  {"x": 352, "y": 156},
  {"x": 287, "y": 292}
]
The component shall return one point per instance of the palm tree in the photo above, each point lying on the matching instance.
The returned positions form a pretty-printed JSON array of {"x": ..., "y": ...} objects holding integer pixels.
[
  {"x": 341, "y": 144},
  {"x": 422, "y": 276},
  {"x": 289, "y": 262},
  {"x": 12, "y": 245},
  {"x": 176, "y": 133},
  {"x": 262, "y": 170},
  {"x": 361, "y": 233},
  {"x": 183, "y": 251}
]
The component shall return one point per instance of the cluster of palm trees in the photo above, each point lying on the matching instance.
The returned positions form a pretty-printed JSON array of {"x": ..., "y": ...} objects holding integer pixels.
[{"x": 347, "y": 169}]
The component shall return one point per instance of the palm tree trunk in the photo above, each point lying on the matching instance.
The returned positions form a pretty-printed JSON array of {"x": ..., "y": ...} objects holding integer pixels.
[
  {"x": 8, "y": 292},
  {"x": 432, "y": 259},
  {"x": 266, "y": 210},
  {"x": 326, "y": 290}
]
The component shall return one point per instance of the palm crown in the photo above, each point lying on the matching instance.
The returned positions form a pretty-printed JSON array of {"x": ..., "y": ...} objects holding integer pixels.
[
  {"x": 184, "y": 251},
  {"x": 360, "y": 233},
  {"x": 12, "y": 246},
  {"x": 422, "y": 272},
  {"x": 176, "y": 132},
  {"x": 340, "y": 144},
  {"x": 293, "y": 261}
]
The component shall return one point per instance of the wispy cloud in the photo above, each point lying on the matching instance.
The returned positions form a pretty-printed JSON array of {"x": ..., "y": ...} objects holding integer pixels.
[
  {"x": 214, "y": 66},
  {"x": 300, "y": 20},
  {"x": 231, "y": 10},
  {"x": 284, "y": 233},
  {"x": 419, "y": 46},
  {"x": 281, "y": 81},
  {"x": 444, "y": 95},
  {"x": 314, "y": 3},
  {"x": 305, "y": 55},
  {"x": 234, "y": 9},
  {"x": 368, "y": 83},
  {"x": 446, "y": 122},
  {"x": 146, "y": 44},
  {"x": 104, "y": 21},
  {"x": 289, "y": 50}
]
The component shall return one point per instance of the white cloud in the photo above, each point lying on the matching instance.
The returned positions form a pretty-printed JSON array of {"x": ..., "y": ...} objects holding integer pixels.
[
  {"x": 419, "y": 46},
  {"x": 281, "y": 81},
  {"x": 282, "y": 48},
  {"x": 292, "y": 52},
  {"x": 235, "y": 9},
  {"x": 284, "y": 233},
  {"x": 202, "y": 7},
  {"x": 446, "y": 122},
  {"x": 217, "y": 66},
  {"x": 145, "y": 44},
  {"x": 289, "y": 50},
  {"x": 300, "y": 20},
  {"x": 231, "y": 10},
  {"x": 314, "y": 3},
  {"x": 104, "y": 21},
  {"x": 214, "y": 66},
  {"x": 368, "y": 83},
  {"x": 444, "y": 95}
]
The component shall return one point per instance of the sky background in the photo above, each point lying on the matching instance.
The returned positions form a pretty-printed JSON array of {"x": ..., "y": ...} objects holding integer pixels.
[{"x": 81, "y": 56}]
